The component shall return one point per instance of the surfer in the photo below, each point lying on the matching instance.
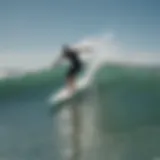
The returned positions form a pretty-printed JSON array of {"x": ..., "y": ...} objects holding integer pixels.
[
  {"x": 75, "y": 67},
  {"x": 76, "y": 64}
]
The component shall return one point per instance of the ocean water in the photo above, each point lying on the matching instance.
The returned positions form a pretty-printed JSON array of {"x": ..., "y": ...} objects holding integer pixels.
[{"x": 116, "y": 118}]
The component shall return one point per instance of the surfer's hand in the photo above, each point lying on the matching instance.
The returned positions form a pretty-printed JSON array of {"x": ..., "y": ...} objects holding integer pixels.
[{"x": 57, "y": 62}]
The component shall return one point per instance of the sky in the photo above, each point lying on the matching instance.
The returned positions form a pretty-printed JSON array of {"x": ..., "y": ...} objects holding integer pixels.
[{"x": 42, "y": 26}]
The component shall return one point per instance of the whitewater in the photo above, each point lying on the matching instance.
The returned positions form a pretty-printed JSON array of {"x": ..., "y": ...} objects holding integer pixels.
[{"x": 116, "y": 118}]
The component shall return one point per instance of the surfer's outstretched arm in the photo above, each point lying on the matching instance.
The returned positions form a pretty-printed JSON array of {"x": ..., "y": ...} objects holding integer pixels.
[
  {"x": 84, "y": 49},
  {"x": 57, "y": 62}
]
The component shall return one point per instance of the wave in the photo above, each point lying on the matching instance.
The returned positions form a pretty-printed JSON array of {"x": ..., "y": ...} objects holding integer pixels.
[
  {"x": 52, "y": 79},
  {"x": 15, "y": 86}
]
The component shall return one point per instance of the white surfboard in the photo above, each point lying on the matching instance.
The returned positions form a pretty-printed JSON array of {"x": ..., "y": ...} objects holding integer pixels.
[{"x": 64, "y": 93}]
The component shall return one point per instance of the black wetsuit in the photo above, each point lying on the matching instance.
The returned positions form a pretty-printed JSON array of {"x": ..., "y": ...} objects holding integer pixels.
[{"x": 75, "y": 61}]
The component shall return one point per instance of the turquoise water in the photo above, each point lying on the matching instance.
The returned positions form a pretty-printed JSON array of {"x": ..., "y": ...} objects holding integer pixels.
[{"x": 117, "y": 118}]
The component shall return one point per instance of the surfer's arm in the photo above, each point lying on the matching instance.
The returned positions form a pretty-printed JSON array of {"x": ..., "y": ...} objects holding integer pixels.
[
  {"x": 57, "y": 62},
  {"x": 84, "y": 49}
]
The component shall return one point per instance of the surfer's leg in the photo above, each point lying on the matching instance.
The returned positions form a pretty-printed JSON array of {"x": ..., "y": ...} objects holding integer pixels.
[
  {"x": 71, "y": 84},
  {"x": 70, "y": 80}
]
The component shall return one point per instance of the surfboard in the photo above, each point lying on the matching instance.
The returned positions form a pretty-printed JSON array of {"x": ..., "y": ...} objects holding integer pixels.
[{"x": 64, "y": 94}]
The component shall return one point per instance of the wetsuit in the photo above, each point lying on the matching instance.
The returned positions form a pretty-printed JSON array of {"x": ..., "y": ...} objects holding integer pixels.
[{"x": 76, "y": 64}]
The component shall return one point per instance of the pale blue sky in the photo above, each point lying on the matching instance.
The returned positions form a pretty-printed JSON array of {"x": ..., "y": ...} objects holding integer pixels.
[{"x": 39, "y": 26}]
